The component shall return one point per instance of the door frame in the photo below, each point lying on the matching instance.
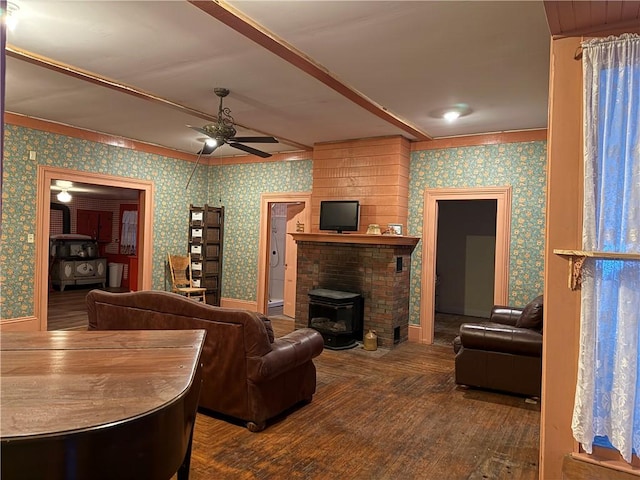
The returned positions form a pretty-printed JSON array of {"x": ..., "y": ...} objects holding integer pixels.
[
  {"x": 45, "y": 175},
  {"x": 266, "y": 199},
  {"x": 432, "y": 196}
]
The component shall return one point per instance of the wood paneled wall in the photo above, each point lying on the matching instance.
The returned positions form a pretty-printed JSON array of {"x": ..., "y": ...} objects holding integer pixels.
[
  {"x": 374, "y": 171},
  {"x": 563, "y": 230}
]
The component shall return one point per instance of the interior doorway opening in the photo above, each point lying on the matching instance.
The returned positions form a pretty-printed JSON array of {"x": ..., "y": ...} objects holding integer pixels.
[
  {"x": 465, "y": 265},
  {"x": 465, "y": 257},
  {"x": 432, "y": 203},
  {"x": 283, "y": 219},
  {"x": 281, "y": 214},
  {"x": 46, "y": 176}
]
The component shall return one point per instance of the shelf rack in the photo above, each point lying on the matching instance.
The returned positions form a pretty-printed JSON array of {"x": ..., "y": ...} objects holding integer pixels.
[{"x": 577, "y": 258}]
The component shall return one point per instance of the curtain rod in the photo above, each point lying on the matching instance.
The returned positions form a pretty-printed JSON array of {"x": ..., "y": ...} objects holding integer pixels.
[{"x": 625, "y": 37}]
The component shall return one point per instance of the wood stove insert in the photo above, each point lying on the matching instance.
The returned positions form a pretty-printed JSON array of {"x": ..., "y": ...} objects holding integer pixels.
[{"x": 338, "y": 316}]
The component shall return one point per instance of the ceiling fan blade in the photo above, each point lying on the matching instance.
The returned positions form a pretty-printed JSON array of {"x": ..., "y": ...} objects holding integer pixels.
[
  {"x": 202, "y": 131},
  {"x": 251, "y": 150},
  {"x": 254, "y": 139}
]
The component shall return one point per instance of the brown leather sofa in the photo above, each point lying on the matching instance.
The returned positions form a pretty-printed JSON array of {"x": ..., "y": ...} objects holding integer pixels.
[
  {"x": 503, "y": 354},
  {"x": 247, "y": 374}
]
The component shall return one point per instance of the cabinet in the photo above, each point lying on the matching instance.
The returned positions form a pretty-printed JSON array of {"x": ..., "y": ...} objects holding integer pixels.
[
  {"x": 79, "y": 272},
  {"x": 206, "y": 233},
  {"x": 96, "y": 223}
]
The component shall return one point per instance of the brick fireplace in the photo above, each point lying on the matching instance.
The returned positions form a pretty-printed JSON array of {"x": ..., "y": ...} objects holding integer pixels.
[{"x": 377, "y": 267}]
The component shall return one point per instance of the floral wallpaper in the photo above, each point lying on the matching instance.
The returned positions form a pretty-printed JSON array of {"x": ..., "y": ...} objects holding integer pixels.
[
  {"x": 17, "y": 257},
  {"x": 521, "y": 165},
  {"x": 238, "y": 188}
]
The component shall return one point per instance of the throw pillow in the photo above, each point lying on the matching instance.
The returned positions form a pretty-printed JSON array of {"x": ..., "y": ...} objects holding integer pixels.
[{"x": 532, "y": 315}]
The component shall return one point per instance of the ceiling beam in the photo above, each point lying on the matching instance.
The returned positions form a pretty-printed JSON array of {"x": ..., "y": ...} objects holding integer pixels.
[
  {"x": 69, "y": 70},
  {"x": 242, "y": 24}
]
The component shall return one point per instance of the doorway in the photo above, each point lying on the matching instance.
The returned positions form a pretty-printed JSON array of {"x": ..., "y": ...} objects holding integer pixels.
[
  {"x": 284, "y": 218},
  {"x": 280, "y": 214},
  {"x": 46, "y": 175},
  {"x": 465, "y": 265},
  {"x": 433, "y": 198}
]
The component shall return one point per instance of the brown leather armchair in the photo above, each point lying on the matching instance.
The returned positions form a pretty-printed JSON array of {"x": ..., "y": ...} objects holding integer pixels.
[
  {"x": 247, "y": 373},
  {"x": 503, "y": 354}
]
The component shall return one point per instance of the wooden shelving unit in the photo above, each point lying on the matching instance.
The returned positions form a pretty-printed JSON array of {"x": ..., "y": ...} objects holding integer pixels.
[
  {"x": 577, "y": 258},
  {"x": 206, "y": 234}
]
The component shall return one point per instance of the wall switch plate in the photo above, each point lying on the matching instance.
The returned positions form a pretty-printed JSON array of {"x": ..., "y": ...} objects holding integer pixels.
[
  {"x": 32, "y": 154},
  {"x": 30, "y": 238}
]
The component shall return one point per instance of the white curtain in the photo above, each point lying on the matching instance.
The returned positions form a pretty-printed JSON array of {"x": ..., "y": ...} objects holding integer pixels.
[
  {"x": 607, "y": 402},
  {"x": 129, "y": 232}
]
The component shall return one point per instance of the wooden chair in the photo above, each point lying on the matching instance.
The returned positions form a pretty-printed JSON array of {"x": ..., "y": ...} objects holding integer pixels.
[{"x": 182, "y": 279}]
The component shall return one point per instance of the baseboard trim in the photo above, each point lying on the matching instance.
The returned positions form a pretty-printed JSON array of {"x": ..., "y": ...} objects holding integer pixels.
[
  {"x": 237, "y": 303},
  {"x": 415, "y": 334},
  {"x": 21, "y": 324}
]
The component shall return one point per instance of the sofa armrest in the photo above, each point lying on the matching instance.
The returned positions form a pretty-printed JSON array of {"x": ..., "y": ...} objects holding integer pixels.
[
  {"x": 505, "y": 315},
  {"x": 287, "y": 352},
  {"x": 495, "y": 337}
]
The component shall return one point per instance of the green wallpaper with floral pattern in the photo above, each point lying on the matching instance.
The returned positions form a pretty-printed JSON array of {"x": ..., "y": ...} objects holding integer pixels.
[
  {"x": 238, "y": 188},
  {"x": 19, "y": 184},
  {"x": 521, "y": 165}
]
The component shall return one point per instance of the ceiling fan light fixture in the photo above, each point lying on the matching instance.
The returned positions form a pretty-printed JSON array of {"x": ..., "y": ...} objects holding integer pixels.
[
  {"x": 11, "y": 16},
  {"x": 223, "y": 132},
  {"x": 64, "y": 196}
]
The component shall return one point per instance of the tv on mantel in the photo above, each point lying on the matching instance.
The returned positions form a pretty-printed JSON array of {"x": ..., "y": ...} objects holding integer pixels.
[{"x": 340, "y": 215}]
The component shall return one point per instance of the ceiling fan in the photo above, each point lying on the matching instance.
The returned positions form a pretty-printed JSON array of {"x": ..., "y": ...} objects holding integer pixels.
[{"x": 223, "y": 131}]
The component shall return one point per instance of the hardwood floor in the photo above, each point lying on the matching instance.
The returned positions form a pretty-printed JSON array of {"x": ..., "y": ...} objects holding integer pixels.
[
  {"x": 447, "y": 326},
  {"x": 387, "y": 414},
  {"x": 68, "y": 310}
]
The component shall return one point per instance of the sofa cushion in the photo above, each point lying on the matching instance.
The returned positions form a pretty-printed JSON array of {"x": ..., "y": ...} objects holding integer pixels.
[{"x": 531, "y": 317}]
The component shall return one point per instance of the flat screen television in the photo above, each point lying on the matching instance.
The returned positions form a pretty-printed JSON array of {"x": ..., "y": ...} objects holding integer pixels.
[{"x": 340, "y": 215}]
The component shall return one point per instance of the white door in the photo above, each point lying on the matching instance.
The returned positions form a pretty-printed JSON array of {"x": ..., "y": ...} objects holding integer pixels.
[{"x": 294, "y": 215}]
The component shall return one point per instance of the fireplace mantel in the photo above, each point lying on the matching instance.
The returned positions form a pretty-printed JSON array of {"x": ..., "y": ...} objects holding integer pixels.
[{"x": 356, "y": 238}]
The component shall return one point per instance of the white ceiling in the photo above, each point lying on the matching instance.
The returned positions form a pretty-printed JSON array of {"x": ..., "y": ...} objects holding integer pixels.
[{"x": 409, "y": 59}]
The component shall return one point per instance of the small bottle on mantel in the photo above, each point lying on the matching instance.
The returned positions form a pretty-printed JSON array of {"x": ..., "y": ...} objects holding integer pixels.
[{"x": 370, "y": 340}]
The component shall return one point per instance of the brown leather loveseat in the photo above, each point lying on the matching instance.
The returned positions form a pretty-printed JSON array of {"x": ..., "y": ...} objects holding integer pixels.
[
  {"x": 503, "y": 354},
  {"x": 247, "y": 374}
]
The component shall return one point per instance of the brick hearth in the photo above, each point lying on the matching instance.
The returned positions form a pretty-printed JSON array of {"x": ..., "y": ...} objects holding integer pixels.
[{"x": 362, "y": 264}]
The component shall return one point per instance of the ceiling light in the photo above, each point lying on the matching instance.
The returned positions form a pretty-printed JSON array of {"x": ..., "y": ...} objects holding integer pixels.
[
  {"x": 11, "y": 16},
  {"x": 64, "y": 196},
  {"x": 211, "y": 142},
  {"x": 451, "y": 115},
  {"x": 64, "y": 184}
]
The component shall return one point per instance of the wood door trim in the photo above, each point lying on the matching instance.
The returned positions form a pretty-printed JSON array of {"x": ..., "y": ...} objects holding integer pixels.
[
  {"x": 45, "y": 176},
  {"x": 263, "y": 241},
  {"x": 430, "y": 222}
]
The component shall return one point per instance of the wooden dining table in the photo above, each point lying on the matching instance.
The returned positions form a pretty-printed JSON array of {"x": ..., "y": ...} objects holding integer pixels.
[{"x": 98, "y": 404}]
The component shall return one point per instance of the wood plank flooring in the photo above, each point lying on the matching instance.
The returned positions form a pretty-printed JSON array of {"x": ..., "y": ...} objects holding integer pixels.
[
  {"x": 388, "y": 414},
  {"x": 446, "y": 326},
  {"x": 68, "y": 310}
]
